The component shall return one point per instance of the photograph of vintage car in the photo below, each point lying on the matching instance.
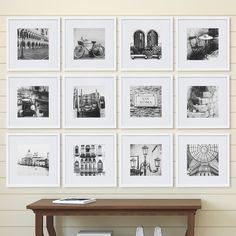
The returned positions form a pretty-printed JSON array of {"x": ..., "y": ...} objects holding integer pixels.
[
  {"x": 32, "y": 101},
  {"x": 146, "y": 45},
  {"x": 88, "y": 102}
]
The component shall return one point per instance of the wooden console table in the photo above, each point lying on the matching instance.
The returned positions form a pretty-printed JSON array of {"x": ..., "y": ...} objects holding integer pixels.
[{"x": 45, "y": 207}]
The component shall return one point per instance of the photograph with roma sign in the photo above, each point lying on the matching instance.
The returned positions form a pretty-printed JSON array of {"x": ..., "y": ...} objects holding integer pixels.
[
  {"x": 146, "y": 100},
  {"x": 150, "y": 103}
]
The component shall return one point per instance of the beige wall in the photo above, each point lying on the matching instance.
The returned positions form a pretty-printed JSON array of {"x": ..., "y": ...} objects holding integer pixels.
[{"x": 218, "y": 214}]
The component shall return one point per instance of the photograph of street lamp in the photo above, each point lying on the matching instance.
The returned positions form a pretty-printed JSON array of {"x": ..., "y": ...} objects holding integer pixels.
[{"x": 145, "y": 159}]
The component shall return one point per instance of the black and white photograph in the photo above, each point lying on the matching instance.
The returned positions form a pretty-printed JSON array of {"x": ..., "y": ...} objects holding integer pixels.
[
  {"x": 146, "y": 160},
  {"x": 146, "y": 43},
  {"x": 202, "y": 43},
  {"x": 202, "y": 160},
  {"x": 33, "y": 160},
  {"x": 33, "y": 44},
  {"x": 33, "y": 102},
  {"x": 203, "y": 102},
  {"x": 89, "y": 43},
  {"x": 89, "y": 160},
  {"x": 146, "y": 102},
  {"x": 89, "y": 102}
]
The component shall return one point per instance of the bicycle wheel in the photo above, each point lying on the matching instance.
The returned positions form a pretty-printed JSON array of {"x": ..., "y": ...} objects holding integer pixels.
[
  {"x": 98, "y": 51},
  {"x": 79, "y": 52}
]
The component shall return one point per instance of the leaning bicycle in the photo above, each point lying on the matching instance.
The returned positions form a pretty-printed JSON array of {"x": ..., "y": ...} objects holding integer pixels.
[{"x": 96, "y": 50}]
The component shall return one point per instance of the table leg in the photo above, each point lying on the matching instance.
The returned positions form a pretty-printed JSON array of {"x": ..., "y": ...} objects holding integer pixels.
[
  {"x": 191, "y": 224},
  {"x": 38, "y": 224},
  {"x": 50, "y": 226}
]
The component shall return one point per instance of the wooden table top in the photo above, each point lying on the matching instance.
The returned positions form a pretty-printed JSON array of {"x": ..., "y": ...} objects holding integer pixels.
[{"x": 121, "y": 204}]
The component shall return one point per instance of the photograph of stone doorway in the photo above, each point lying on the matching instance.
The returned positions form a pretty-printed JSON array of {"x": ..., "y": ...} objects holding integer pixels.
[{"x": 146, "y": 45}]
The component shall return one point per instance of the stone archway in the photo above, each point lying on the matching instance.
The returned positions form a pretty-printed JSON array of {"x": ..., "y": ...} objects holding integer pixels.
[
  {"x": 152, "y": 38},
  {"x": 28, "y": 44},
  {"x": 139, "y": 39}
]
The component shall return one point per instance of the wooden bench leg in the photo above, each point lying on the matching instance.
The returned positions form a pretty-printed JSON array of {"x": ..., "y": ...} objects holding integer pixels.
[
  {"x": 38, "y": 224},
  {"x": 50, "y": 226},
  {"x": 190, "y": 224}
]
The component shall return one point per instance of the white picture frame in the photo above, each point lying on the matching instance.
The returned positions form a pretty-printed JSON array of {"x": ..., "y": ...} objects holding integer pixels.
[
  {"x": 151, "y": 53},
  {"x": 33, "y": 101},
  {"x": 132, "y": 167},
  {"x": 33, "y": 160},
  {"x": 79, "y": 34},
  {"x": 203, "y": 43},
  {"x": 33, "y": 43},
  {"x": 97, "y": 170},
  {"x": 203, "y": 101},
  {"x": 203, "y": 160},
  {"x": 77, "y": 111},
  {"x": 149, "y": 103}
]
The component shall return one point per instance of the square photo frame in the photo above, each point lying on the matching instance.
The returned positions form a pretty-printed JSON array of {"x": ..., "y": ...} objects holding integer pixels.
[
  {"x": 33, "y": 160},
  {"x": 146, "y": 102},
  {"x": 146, "y": 43},
  {"x": 33, "y": 44},
  {"x": 89, "y": 160},
  {"x": 202, "y": 43},
  {"x": 89, "y": 102},
  {"x": 89, "y": 43},
  {"x": 33, "y": 102},
  {"x": 203, "y": 160},
  {"x": 146, "y": 160},
  {"x": 203, "y": 101}
]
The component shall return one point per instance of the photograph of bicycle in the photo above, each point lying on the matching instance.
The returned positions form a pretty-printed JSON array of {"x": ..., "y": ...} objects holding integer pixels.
[{"x": 89, "y": 43}]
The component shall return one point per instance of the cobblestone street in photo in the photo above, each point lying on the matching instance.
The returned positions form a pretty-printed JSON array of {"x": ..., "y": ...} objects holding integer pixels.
[{"x": 34, "y": 54}]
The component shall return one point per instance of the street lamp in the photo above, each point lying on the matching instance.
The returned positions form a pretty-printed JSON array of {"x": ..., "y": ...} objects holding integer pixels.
[
  {"x": 144, "y": 166},
  {"x": 157, "y": 162},
  {"x": 22, "y": 36},
  {"x": 133, "y": 163},
  {"x": 145, "y": 150}
]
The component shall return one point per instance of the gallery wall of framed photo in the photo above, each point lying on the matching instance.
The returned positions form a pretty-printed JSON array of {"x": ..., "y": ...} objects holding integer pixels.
[{"x": 88, "y": 96}]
